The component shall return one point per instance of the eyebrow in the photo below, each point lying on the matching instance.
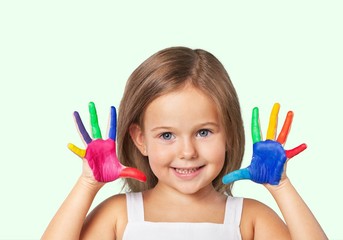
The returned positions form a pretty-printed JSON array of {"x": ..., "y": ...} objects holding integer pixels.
[{"x": 161, "y": 128}]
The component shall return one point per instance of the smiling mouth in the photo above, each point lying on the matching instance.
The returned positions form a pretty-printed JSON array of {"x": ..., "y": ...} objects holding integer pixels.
[{"x": 186, "y": 171}]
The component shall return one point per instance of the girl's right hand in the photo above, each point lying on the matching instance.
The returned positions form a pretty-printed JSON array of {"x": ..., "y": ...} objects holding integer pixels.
[
  {"x": 100, "y": 162},
  {"x": 87, "y": 176}
]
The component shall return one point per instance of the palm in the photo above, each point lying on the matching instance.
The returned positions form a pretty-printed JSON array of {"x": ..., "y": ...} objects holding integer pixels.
[
  {"x": 269, "y": 156},
  {"x": 101, "y": 154}
]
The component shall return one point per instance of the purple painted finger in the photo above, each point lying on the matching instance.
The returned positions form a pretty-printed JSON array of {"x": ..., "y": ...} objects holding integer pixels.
[{"x": 82, "y": 128}]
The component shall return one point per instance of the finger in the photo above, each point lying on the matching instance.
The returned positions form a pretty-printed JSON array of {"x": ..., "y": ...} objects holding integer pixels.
[
  {"x": 295, "y": 151},
  {"x": 82, "y": 128},
  {"x": 271, "y": 132},
  {"x": 285, "y": 128},
  {"x": 255, "y": 126},
  {"x": 78, "y": 151},
  {"x": 236, "y": 175},
  {"x": 113, "y": 125},
  {"x": 132, "y": 173},
  {"x": 94, "y": 121}
]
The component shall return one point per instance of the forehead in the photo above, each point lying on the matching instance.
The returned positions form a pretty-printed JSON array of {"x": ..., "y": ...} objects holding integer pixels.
[{"x": 188, "y": 104}]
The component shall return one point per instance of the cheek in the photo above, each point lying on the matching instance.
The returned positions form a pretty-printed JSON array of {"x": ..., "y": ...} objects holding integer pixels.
[
  {"x": 215, "y": 151},
  {"x": 160, "y": 151},
  {"x": 156, "y": 151},
  {"x": 159, "y": 164},
  {"x": 215, "y": 155},
  {"x": 159, "y": 156}
]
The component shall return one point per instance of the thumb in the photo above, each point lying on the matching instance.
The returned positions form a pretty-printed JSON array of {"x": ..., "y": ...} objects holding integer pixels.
[
  {"x": 236, "y": 175},
  {"x": 78, "y": 151}
]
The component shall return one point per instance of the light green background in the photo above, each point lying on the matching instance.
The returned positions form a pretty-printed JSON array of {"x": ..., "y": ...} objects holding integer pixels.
[{"x": 56, "y": 56}]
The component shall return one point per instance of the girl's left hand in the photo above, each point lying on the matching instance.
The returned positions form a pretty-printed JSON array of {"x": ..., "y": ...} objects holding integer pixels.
[{"x": 269, "y": 157}]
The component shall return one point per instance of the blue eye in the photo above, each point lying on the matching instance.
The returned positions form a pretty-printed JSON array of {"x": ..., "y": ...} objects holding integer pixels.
[
  {"x": 203, "y": 133},
  {"x": 166, "y": 136}
]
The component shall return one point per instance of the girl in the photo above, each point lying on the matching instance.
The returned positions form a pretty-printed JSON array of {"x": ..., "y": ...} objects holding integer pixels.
[{"x": 180, "y": 123}]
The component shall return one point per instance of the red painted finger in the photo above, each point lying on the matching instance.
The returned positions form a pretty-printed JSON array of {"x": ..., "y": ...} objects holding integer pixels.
[
  {"x": 295, "y": 151},
  {"x": 132, "y": 173}
]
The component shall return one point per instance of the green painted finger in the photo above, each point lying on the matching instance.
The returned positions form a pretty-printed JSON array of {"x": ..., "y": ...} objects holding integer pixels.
[
  {"x": 96, "y": 133},
  {"x": 255, "y": 126}
]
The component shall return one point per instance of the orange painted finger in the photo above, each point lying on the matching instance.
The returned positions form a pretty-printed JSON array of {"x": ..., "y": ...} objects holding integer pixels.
[
  {"x": 285, "y": 128},
  {"x": 271, "y": 132}
]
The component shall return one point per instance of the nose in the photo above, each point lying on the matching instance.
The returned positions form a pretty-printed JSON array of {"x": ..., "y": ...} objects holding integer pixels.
[{"x": 188, "y": 149}]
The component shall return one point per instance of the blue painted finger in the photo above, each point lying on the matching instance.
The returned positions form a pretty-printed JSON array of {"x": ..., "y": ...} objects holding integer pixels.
[
  {"x": 236, "y": 175},
  {"x": 113, "y": 125}
]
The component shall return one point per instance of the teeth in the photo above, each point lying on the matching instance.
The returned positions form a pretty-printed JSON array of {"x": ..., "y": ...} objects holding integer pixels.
[{"x": 186, "y": 171}]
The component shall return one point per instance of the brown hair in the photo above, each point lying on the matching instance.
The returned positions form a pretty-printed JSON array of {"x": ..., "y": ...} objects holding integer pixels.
[{"x": 166, "y": 71}]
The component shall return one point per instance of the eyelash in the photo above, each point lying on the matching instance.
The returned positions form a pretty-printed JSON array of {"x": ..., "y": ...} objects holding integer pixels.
[{"x": 170, "y": 135}]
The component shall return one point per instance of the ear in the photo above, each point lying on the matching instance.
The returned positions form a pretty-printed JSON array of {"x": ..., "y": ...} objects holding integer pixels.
[{"x": 137, "y": 137}]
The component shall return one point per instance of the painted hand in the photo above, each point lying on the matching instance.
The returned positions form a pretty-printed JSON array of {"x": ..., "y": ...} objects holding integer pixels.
[
  {"x": 269, "y": 156},
  {"x": 101, "y": 154}
]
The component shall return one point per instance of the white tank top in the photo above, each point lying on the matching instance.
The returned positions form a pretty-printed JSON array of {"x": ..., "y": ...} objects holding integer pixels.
[{"x": 137, "y": 228}]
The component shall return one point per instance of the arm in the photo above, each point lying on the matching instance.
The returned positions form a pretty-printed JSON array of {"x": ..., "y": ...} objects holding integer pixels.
[
  {"x": 268, "y": 167},
  {"x": 301, "y": 223},
  {"x": 68, "y": 221},
  {"x": 100, "y": 165}
]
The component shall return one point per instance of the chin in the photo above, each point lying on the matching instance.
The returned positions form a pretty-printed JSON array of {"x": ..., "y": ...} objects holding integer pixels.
[{"x": 190, "y": 189}]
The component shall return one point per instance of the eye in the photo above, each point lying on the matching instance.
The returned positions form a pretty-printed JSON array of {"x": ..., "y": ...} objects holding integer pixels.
[
  {"x": 166, "y": 136},
  {"x": 204, "y": 133}
]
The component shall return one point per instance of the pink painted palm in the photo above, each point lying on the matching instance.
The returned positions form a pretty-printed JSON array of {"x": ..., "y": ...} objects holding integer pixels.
[{"x": 101, "y": 154}]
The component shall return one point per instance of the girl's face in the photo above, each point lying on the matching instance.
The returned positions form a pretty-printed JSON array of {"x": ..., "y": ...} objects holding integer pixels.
[{"x": 184, "y": 140}]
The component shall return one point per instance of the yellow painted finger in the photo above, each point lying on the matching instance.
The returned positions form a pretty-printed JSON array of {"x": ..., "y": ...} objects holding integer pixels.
[
  {"x": 78, "y": 151},
  {"x": 271, "y": 133}
]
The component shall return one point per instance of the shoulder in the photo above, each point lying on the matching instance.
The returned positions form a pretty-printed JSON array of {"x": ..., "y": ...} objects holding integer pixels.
[
  {"x": 254, "y": 210},
  {"x": 111, "y": 207},
  {"x": 261, "y": 222},
  {"x": 108, "y": 218}
]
